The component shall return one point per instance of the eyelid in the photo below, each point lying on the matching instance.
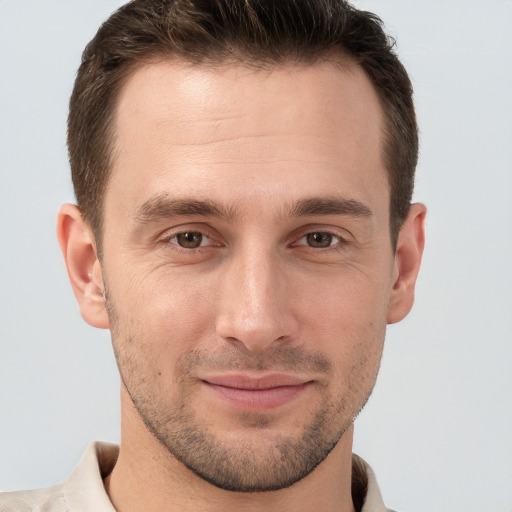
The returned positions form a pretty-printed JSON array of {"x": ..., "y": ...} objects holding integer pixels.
[
  {"x": 169, "y": 235},
  {"x": 341, "y": 234},
  {"x": 334, "y": 236},
  {"x": 204, "y": 238}
]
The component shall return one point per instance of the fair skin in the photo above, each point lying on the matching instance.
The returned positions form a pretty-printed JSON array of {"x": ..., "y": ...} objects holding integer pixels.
[{"x": 249, "y": 277}]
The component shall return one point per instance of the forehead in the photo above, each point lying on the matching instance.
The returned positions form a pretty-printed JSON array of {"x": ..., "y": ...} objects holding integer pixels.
[
  {"x": 192, "y": 128},
  {"x": 183, "y": 94}
]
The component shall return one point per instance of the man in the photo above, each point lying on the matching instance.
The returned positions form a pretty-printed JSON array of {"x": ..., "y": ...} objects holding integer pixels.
[{"x": 244, "y": 227}]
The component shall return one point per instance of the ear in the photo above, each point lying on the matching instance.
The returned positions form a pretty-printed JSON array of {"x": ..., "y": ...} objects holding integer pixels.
[
  {"x": 84, "y": 269},
  {"x": 409, "y": 250}
]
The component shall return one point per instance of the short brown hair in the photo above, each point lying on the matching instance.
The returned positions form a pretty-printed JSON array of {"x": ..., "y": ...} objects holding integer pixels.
[{"x": 252, "y": 32}]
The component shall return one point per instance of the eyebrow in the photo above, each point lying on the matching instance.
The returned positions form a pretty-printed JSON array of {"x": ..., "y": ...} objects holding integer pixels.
[
  {"x": 330, "y": 206},
  {"x": 163, "y": 206}
]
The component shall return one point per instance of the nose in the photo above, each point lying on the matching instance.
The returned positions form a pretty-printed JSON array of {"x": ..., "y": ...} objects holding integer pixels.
[{"x": 255, "y": 302}]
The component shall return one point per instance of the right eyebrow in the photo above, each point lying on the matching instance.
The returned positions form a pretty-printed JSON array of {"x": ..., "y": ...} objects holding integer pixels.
[{"x": 162, "y": 207}]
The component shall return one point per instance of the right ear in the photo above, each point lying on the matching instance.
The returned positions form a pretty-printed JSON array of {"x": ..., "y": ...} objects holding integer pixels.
[{"x": 84, "y": 269}]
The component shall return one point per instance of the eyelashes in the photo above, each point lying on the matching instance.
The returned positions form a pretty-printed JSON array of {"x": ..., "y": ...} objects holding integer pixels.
[
  {"x": 196, "y": 239},
  {"x": 320, "y": 240},
  {"x": 190, "y": 239}
]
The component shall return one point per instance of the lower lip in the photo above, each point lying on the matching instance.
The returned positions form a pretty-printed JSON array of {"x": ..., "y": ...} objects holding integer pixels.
[{"x": 257, "y": 399}]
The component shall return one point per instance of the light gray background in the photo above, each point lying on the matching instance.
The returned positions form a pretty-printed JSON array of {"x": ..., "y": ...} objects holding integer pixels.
[{"x": 438, "y": 427}]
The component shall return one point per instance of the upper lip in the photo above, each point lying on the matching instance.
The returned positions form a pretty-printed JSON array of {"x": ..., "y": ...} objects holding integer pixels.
[{"x": 242, "y": 381}]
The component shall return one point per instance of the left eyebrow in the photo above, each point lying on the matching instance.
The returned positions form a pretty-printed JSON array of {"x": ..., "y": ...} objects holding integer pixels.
[{"x": 330, "y": 206}]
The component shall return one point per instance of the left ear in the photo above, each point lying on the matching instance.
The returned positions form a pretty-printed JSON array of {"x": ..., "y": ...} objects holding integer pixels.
[{"x": 409, "y": 250}]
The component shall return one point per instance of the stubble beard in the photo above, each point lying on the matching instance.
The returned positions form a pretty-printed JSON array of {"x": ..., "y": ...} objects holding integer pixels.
[{"x": 250, "y": 464}]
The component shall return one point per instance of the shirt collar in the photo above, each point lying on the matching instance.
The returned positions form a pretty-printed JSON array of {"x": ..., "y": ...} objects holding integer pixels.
[{"x": 84, "y": 489}]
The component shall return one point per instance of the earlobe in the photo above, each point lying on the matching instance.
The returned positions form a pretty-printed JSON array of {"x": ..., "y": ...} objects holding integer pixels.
[
  {"x": 408, "y": 255},
  {"x": 84, "y": 269}
]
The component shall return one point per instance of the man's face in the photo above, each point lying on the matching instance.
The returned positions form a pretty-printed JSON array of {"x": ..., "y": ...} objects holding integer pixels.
[{"x": 247, "y": 262}]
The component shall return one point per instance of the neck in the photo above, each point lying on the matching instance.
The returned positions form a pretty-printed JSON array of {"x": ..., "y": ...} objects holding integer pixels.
[{"x": 147, "y": 477}]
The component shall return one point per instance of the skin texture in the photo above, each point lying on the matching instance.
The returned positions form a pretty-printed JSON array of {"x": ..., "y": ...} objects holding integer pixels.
[{"x": 287, "y": 272}]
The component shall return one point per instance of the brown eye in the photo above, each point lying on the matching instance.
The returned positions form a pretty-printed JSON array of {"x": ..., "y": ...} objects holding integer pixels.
[
  {"x": 190, "y": 239},
  {"x": 319, "y": 239}
]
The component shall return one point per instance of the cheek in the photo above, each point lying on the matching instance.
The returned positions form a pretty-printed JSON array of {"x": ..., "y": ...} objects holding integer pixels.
[
  {"x": 160, "y": 318},
  {"x": 348, "y": 302},
  {"x": 348, "y": 321},
  {"x": 353, "y": 342}
]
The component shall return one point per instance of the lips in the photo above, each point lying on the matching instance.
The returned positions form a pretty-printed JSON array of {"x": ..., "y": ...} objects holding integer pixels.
[{"x": 260, "y": 393}]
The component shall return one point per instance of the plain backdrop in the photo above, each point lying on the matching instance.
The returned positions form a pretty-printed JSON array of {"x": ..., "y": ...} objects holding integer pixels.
[{"x": 438, "y": 427}]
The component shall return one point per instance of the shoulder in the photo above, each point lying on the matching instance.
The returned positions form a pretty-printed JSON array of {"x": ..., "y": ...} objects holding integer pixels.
[
  {"x": 82, "y": 490},
  {"x": 40, "y": 500},
  {"x": 365, "y": 490}
]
